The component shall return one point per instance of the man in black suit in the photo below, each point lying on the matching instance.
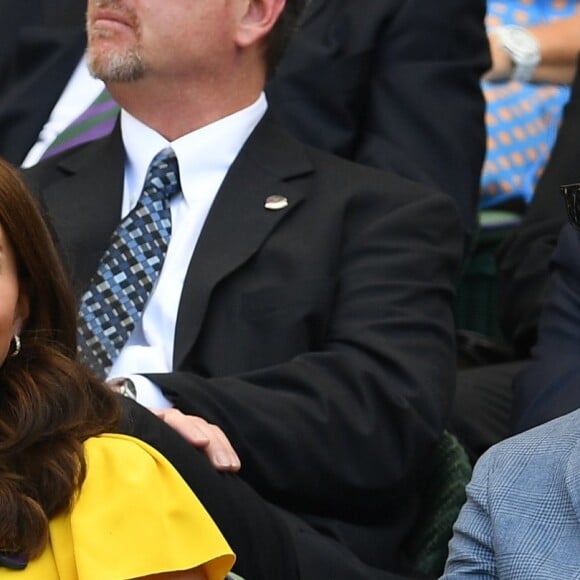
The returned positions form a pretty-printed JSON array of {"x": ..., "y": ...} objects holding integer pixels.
[
  {"x": 301, "y": 331},
  {"x": 391, "y": 83}
]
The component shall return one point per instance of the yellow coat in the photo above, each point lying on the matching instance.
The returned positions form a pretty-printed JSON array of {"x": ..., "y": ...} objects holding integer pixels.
[{"x": 133, "y": 516}]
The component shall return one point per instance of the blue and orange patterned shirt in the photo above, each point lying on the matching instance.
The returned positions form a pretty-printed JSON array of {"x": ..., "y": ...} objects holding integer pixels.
[{"x": 522, "y": 119}]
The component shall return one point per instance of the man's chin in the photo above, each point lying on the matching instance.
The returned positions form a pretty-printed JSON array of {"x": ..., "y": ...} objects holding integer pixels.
[{"x": 112, "y": 66}]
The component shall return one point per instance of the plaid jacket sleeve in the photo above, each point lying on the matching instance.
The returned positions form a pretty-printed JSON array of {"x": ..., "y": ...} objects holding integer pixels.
[{"x": 521, "y": 517}]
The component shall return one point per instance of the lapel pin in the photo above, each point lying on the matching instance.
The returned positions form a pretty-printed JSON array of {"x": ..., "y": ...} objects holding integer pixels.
[{"x": 275, "y": 202}]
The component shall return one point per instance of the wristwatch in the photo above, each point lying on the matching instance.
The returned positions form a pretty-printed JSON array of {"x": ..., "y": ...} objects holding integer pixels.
[
  {"x": 123, "y": 386},
  {"x": 522, "y": 48}
]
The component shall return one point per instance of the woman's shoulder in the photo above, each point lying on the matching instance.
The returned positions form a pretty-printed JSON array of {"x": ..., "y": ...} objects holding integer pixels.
[
  {"x": 138, "y": 501},
  {"x": 120, "y": 443}
]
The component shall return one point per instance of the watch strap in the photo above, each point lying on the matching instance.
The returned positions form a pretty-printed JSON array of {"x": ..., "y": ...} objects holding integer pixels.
[
  {"x": 523, "y": 49},
  {"x": 123, "y": 386}
]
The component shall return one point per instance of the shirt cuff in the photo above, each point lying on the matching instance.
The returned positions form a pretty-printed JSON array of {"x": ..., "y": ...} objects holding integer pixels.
[{"x": 149, "y": 394}]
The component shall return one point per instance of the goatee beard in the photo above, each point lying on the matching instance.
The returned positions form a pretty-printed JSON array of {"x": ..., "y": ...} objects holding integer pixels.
[{"x": 110, "y": 66}]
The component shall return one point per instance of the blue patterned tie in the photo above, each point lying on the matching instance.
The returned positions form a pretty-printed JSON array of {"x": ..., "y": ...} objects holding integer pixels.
[{"x": 127, "y": 272}]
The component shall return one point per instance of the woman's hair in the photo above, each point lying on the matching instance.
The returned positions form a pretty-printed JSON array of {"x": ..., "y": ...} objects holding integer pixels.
[{"x": 49, "y": 402}]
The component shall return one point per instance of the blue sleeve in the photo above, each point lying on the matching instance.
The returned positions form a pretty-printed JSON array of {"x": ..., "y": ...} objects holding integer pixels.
[{"x": 470, "y": 550}]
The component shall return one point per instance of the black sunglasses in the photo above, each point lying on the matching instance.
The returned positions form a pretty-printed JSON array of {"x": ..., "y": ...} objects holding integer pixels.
[{"x": 571, "y": 195}]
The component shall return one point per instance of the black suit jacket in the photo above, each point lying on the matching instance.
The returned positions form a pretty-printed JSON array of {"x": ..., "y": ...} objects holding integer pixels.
[
  {"x": 548, "y": 386},
  {"x": 33, "y": 85},
  {"x": 524, "y": 257},
  {"x": 17, "y": 17},
  {"x": 389, "y": 83},
  {"x": 318, "y": 337},
  {"x": 41, "y": 42}
]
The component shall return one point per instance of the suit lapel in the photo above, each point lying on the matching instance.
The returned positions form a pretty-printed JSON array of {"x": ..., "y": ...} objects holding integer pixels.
[
  {"x": 86, "y": 210},
  {"x": 270, "y": 163}
]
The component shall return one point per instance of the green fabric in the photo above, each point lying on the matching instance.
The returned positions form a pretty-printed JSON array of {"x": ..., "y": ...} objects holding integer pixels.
[
  {"x": 476, "y": 304},
  {"x": 442, "y": 497}
]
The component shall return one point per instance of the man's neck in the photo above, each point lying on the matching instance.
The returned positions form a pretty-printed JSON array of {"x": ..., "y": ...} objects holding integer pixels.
[{"x": 174, "y": 111}]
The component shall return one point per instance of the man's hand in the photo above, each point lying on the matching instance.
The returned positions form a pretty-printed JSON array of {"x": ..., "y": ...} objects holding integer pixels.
[{"x": 204, "y": 435}]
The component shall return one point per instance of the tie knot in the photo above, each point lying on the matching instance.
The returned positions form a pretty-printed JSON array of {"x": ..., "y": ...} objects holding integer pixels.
[{"x": 163, "y": 174}]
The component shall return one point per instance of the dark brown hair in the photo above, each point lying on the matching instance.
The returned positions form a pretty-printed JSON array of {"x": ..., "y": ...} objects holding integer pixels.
[
  {"x": 49, "y": 403},
  {"x": 282, "y": 32}
]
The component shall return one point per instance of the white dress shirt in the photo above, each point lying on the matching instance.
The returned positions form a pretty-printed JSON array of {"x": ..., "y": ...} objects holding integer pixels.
[
  {"x": 204, "y": 157},
  {"x": 79, "y": 94}
]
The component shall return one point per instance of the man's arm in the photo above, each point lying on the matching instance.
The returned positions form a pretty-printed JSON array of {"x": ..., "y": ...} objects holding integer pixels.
[
  {"x": 558, "y": 43},
  {"x": 392, "y": 84},
  {"x": 471, "y": 550},
  {"x": 236, "y": 509},
  {"x": 357, "y": 417},
  {"x": 425, "y": 111}
]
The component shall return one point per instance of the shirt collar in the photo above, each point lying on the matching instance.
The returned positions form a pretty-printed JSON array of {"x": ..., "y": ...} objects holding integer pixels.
[{"x": 208, "y": 150}]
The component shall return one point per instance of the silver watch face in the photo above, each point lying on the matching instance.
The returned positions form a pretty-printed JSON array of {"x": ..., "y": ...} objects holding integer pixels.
[
  {"x": 524, "y": 43},
  {"x": 521, "y": 45}
]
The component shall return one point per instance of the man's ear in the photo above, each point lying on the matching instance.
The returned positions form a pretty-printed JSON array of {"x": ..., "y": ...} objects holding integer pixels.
[{"x": 256, "y": 20}]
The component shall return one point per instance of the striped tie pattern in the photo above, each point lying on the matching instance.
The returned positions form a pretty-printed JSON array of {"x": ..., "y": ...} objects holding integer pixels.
[
  {"x": 96, "y": 121},
  {"x": 127, "y": 272}
]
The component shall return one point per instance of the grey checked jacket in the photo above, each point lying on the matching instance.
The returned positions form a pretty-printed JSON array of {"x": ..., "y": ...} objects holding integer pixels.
[{"x": 522, "y": 515}]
